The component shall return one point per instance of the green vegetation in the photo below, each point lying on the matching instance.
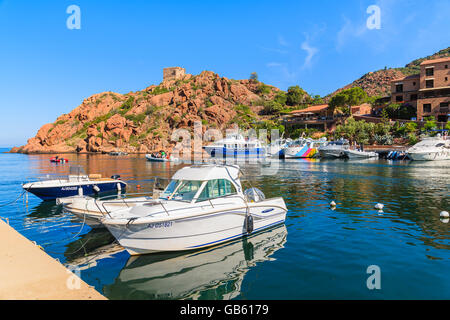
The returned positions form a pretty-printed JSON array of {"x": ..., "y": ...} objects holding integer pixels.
[
  {"x": 136, "y": 118},
  {"x": 430, "y": 124},
  {"x": 400, "y": 111},
  {"x": 295, "y": 96},
  {"x": 126, "y": 106},
  {"x": 245, "y": 118},
  {"x": 263, "y": 89},
  {"x": 160, "y": 90},
  {"x": 347, "y": 98}
]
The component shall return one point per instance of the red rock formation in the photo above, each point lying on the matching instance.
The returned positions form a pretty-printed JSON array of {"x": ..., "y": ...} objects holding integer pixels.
[{"x": 143, "y": 121}]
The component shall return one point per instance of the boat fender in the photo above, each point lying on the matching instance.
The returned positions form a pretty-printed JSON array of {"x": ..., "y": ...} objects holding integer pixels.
[
  {"x": 119, "y": 187},
  {"x": 80, "y": 191},
  {"x": 248, "y": 224},
  {"x": 96, "y": 189}
]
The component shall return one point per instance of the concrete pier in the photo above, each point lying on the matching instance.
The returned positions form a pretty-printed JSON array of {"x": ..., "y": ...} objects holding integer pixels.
[{"x": 28, "y": 273}]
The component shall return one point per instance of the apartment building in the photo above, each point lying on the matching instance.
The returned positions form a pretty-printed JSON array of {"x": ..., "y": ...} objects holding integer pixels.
[{"x": 428, "y": 92}]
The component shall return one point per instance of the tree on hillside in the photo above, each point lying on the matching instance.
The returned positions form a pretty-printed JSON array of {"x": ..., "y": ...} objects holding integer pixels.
[
  {"x": 295, "y": 96},
  {"x": 254, "y": 76},
  {"x": 347, "y": 98}
]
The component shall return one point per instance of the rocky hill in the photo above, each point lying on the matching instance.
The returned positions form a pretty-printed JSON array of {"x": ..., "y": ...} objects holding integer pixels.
[
  {"x": 378, "y": 83},
  {"x": 143, "y": 121}
]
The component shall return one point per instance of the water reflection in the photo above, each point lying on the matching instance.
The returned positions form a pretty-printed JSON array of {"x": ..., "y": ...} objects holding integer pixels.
[{"x": 216, "y": 273}]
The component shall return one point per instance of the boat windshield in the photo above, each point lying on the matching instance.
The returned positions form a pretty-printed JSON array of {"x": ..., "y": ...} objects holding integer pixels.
[
  {"x": 216, "y": 188},
  {"x": 181, "y": 190}
]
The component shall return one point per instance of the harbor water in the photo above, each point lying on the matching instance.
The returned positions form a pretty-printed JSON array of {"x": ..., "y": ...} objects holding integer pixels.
[{"x": 320, "y": 252}]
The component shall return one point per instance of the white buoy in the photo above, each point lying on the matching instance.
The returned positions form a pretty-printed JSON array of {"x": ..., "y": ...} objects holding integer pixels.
[
  {"x": 444, "y": 214},
  {"x": 333, "y": 204},
  {"x": 379, "y": 206}
]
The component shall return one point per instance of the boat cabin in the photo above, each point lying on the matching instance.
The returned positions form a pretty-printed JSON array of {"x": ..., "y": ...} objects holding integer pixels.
[{"x": 203, "y": 183}]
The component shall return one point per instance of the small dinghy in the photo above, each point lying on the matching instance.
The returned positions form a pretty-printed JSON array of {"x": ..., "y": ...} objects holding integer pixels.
[
  {"x": 58, "y": 160},
  {"x": 76, "y": 183},
  {"x": 203, "y": 205},
  {"x": 149, "y": 157},
  {"x": 358, "y": 154},
  {"x": 118, "y": 153}
]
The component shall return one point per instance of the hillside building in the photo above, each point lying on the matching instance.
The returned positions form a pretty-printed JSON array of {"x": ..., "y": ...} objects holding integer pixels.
[{"x": 428, "y": 91}]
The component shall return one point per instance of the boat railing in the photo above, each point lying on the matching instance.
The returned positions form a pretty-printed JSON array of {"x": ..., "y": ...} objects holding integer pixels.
[
  {"x": 158, "y": 202},
  {"x": 126, "y": 199},
  {"x": 47, "y": 177}
]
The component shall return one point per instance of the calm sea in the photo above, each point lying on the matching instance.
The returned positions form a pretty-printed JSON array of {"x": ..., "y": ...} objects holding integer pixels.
[{"x": 319, "y": 253}]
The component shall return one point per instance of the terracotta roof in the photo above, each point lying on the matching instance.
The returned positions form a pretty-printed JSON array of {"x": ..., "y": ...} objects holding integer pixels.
[
  {"x": 316, "y": 108},
  {"x": 413, "y": 76},
  {"x": 435, "y": 60}
]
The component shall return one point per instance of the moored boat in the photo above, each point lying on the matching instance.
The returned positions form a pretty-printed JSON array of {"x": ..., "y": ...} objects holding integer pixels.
[
  {"x": 302, "y": 148},
  {"x": 57, "y": 159},
  {"x": 236, "y": 146},
  {"x": 430, "y": 149},
  {"x": 359, "y": 154},
  {"x": 203, "y": 205},
  {"x": 76, "y": 183},
  {"x": 152, "y": 158},
  {"x": 334, "y": 149}
]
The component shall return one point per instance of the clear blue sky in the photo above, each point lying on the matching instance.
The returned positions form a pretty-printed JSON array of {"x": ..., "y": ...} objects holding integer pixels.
[{"x": 47, "y": 69}]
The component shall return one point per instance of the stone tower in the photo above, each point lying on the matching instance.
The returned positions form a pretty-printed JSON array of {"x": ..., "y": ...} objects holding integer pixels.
[{"x": 173, "y": 73}]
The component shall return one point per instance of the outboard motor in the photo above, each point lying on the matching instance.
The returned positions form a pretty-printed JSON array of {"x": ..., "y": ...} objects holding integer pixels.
[
  {"x": 115, "y": 177},
  {"x": 254, "y": 195}
]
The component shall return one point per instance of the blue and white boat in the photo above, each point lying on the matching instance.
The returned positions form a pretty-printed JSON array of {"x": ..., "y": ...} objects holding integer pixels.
[
  {"x": 74, "y": 184},
  {"x": 236, "y": 146}
]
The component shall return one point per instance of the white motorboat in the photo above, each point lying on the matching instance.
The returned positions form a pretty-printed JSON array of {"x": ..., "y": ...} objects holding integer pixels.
[
  {"x": 203, "y": 205},
  {"x": 435, "y": 148},
  {"x": 359, "y": 154},
  {"x": 236, "y": 146},
  {"x": 334, "y": 149}
]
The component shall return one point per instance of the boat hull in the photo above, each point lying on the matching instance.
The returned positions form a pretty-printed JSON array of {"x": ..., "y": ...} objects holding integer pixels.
[
  {"x": 53, "y": 192},
  {"x": 222, "y": 152},
  {"x": 192, "y": 232},
  {"x": 360, "y": 155},
  {"x": 331, "y": 154},
  {"x": 300, "y": 152},
  {"x": 429, "y": 156}
]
